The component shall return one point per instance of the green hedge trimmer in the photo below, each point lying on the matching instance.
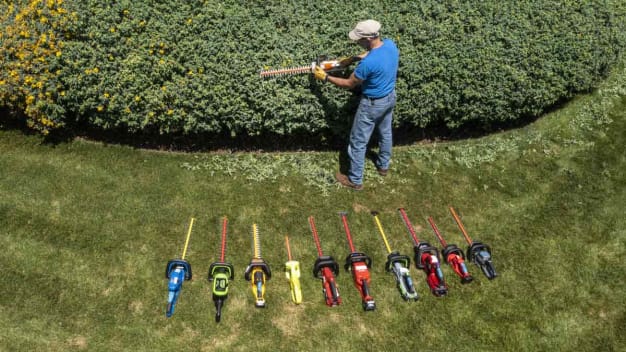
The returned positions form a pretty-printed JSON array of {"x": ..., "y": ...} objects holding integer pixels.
[
  {"x": 219, "y": 275},
  {"x": 258, "y": 271},
  {"x": 399, "y": 265}
]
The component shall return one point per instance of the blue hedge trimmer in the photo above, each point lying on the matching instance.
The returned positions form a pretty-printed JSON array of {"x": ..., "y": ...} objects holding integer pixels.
[
  {"x": 292, "y": 272},
  {"x": 325, "y": 269},
  {"x": 399, "y": 265},
  {"x": 219, "y": 275},
  {"x": 177, "y": 271},
  {"x": 478, "y": 252},
  {"x": 258, "y": 271},
  {"x": 358, "y": 264},
  {"x": 453, "y": 255},
  {"x": 426, "y": 259}
]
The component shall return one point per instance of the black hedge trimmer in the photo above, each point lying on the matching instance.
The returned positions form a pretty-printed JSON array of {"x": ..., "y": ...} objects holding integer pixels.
[
  {"x": 426, "y": 259},
  {"x": 399, "y": 265},
  {"x": 358, "y": 264},
  {"x": 478, "y": 252}
]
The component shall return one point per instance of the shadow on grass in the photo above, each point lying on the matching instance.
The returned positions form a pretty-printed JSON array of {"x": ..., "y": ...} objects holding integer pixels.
[{"x": 333, "y": 138}]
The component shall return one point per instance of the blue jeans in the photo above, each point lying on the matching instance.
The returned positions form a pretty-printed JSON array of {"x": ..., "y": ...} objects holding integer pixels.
[{"x": 372, "y": 113}]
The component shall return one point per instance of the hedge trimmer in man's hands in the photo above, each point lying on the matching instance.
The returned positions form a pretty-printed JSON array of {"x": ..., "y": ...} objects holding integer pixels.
[
  {"x": 330, "y": 66},
  {"x": 358, "y": 264}
]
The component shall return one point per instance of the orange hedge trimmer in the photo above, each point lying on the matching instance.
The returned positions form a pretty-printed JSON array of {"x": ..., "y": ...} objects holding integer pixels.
[
  {"x": 453, "y": 255},
  {"x": 358, "y": 264},
  {"x": 427, "y": 259},
  {"x": 328, "y": 268},
  {"x": 479, "y": 253}
]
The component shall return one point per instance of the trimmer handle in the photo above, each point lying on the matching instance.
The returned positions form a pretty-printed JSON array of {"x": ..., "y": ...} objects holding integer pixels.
[
  {"x": 357, "y": 258},
  {"x": 396, "y": 257},
  {"x": 325, "y": 261},
  {"x": 221, "y": 267},
  {"x": 420, "y": 249},
  {"x": 257, "y": 263},
  {"x": 480, "y": 254},
  {"x": 172, "y": 264}
]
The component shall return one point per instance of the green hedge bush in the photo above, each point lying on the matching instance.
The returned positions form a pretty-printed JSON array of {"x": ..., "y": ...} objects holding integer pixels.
[{"x": 189, "y": 67}]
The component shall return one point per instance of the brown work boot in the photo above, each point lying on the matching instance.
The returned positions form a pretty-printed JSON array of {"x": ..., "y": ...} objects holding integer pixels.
[
  {"x": 345, "y": 181},
  {"x": 382, "y": 172}
]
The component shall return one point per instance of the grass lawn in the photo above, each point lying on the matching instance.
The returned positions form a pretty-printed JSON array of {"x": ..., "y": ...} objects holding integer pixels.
[{"x": 87, "y": 229}]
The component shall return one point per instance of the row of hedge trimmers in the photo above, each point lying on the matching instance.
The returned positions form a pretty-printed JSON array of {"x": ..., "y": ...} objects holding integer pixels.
[{"x": 326, "y": 269}]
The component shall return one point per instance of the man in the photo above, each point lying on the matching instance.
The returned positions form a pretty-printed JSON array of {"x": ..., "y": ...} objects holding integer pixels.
[{"x": 376, "y": 72}]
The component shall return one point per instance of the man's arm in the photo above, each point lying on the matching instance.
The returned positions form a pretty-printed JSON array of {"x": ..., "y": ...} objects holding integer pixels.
[{"x": 347, "y": 83}]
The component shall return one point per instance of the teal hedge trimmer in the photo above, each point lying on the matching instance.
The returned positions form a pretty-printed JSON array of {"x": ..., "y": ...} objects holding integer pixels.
[
  {"x": 219, "y": 275},
  {"x": 177, "y": 271},
  {"x": 426, "y": 259},
  {"x": 358, "y": 264},
  {"x": 399, "y": 265},
  {"x": 478, "y": 252}
]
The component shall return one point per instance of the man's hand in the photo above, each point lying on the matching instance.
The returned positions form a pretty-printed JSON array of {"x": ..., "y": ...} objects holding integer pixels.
[
  {"x": 320, "y": 73},
  {"x": 349, "y": 60}
]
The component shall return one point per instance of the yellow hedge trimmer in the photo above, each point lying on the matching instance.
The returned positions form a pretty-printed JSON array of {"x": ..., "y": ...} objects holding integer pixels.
[{"x": 258, "y": 271}]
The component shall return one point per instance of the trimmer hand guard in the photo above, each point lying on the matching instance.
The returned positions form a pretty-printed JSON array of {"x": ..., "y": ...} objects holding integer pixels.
[
  {"x": 420, "y": 249},
  {"x": 480, "y": 255},
  {"x": 257, "y": 263},
  {"x": 396, "y": 257},
  {"x": 353, "y": 258},
  {"x": 325, "y": 261},
  {"x": 221, "y": 267},
  {"x": 457, "y": 262},
  {"x": 172, "y": 264}
]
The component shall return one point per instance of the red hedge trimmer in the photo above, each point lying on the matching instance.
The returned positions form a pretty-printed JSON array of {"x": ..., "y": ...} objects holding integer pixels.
[
  {"x": 399, "y": 265},
  {"x": 177, "y": 271},
  {"x": 358, "y": 264},
  {"x": 292, "y": 272},
  {"x": 453, "y": 255},
  {"x": 325, "y": 269},
  {"x": 258, "y": 271},
  {"x": 427, "y": 259},
  {"x": 219, "y": 275},
  {"x": 330, "y": 66},
  {"x": 479, "y": 253}
]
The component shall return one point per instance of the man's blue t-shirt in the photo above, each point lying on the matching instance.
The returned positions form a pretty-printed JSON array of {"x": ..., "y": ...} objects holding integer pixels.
[{"x": 378, "y": 70}]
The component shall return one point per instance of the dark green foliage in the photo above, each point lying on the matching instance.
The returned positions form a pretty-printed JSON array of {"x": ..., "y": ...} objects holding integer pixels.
[{"x": 192, "y": 67}]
